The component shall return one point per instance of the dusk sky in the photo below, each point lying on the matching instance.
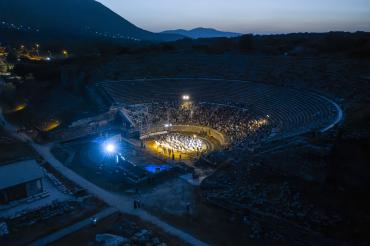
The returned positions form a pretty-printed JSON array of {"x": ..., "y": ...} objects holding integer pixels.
[{"x": 247, "y": 16}]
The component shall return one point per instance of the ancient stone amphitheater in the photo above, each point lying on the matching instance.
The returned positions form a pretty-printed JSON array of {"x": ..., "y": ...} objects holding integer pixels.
[{"x": 294, "y": 111}]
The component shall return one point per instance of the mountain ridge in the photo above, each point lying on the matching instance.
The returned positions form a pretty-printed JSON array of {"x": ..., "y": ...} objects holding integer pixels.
[{"x": 201, "y": 32}]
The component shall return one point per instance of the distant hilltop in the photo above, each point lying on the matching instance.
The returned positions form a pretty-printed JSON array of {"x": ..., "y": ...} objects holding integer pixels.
[{"x": 201, "y": 32}]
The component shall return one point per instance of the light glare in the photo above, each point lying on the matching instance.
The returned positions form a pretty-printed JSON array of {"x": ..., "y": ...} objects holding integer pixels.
[
  {"x": 110, "y": 148},
  {"x": 185, "y": 97}
]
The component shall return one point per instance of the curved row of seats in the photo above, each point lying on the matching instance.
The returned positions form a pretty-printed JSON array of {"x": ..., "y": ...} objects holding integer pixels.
[{"x": 292, "y": 111}]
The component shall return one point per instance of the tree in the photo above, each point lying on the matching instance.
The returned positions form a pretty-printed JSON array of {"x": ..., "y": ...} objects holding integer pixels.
[
  {"x": 7, "y": 92},
  {"x": 246, "y": 43}
]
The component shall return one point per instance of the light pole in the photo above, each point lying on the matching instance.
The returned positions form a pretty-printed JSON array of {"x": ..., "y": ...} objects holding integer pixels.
[{"x": 37, "y": 49}]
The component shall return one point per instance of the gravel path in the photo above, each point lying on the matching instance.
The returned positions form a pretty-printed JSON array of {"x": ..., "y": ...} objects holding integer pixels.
[{"x": 121, "y": 202}]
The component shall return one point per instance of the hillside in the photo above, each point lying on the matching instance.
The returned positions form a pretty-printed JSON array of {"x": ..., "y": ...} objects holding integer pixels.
[{"x": 77, "y": 17}]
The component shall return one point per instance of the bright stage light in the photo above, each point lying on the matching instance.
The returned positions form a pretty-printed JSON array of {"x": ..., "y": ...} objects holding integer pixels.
[
  {"x": 186, "y": 97},
  {"x": 110, "y": 148}
]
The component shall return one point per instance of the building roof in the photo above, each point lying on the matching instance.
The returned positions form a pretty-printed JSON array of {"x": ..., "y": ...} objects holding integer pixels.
[{"x": 18, "y": 173}]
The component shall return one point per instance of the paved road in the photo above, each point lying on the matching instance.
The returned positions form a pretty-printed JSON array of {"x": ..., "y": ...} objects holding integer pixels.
[
  {"x": 73, "y": 228},
  {"x": 121, "y": 202}
]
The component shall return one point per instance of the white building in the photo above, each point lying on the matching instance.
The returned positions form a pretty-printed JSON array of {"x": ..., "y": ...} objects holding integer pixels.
[{"x": 20, "y": 180}]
